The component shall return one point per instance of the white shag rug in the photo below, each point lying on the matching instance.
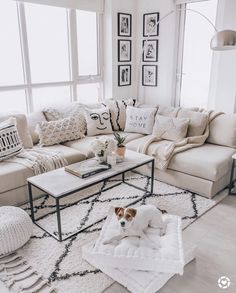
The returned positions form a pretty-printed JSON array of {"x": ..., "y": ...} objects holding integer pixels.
[{"x": 61, "y": 263}]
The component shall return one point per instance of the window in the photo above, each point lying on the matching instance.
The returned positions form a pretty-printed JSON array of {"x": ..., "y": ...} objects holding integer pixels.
[
  {"x": 11, "y": 70},
  {"x": 48, "y": 43},
  {"x": 87, "y": 42},
  {"x": 197, "y": 55},
  {"x": 48, "y": 56}
]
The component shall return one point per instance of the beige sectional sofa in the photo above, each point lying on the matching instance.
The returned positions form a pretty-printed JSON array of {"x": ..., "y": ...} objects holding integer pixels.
[{"x": 204, "y": 170}]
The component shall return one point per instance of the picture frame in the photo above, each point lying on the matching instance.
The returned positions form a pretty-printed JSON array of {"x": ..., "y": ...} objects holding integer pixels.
[
  {"x": 124, "y": 24},
  {"x": 149, "y": 75},
  {"x": 124, "y": 75},
  {"x": 150, "y": 50},
  {"x": 124, "y": 50},
  {"x": 150, "y": 29}
]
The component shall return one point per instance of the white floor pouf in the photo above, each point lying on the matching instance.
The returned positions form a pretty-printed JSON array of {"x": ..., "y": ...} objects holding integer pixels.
[{"x": 15, "y": 229}]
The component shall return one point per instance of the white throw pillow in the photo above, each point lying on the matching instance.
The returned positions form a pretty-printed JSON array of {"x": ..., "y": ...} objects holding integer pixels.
[
  {"x": 140, "y": 120},
  {"x": 98, "y": 121},
  {"x": 170, "y": 128},
  {"x": 55, "y": 132},
  {"x": 10, "y": 143}
]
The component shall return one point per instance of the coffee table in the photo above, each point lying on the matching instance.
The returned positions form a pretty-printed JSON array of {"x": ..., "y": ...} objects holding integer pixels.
[{"x": 59, "y": 184}]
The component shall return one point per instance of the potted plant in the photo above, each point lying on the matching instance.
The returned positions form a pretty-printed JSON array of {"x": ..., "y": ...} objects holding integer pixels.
[{"x": 120, "y": 144}]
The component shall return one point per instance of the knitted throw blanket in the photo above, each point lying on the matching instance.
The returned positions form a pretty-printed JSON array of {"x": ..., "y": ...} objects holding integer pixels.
[
  {"x": 39, "y": 160},
  {"x": 165, "y": 150}
]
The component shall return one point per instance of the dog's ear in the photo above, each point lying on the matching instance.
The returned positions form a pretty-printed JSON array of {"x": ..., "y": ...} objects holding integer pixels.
[
  {"x": 132, "y": 212},
  {"x": 118, "y": 209}
]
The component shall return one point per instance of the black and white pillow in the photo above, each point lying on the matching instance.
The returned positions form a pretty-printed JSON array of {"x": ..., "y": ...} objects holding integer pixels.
[
  {"x": 118, "y": 112},
  {"x": 98, "y": 121},
  {"x": 10, "y": 143}
]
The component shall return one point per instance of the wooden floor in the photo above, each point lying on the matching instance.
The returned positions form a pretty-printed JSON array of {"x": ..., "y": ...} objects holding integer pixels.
[{"x": 215, "y": 236}]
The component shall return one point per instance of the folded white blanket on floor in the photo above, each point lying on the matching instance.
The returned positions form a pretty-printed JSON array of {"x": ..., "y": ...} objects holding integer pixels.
[
  {"x": 132, "y": 253},
  {"x": 136, "y": 281}
]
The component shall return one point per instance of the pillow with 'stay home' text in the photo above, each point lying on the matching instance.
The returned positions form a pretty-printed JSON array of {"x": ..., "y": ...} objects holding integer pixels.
[{"x": 140, "y": 120}]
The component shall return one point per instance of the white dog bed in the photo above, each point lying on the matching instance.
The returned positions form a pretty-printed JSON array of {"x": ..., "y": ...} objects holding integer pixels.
[
  {"x": 136, "y": 281},
  {"x": 133, "y": 254}
]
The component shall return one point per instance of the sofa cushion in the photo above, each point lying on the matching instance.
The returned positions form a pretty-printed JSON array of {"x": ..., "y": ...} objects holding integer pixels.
[
  {"x": 22, "y": 127},
  {"x": 140, "y": 120},
  {"x": 197, "y": 123},
  {"x": 170, "y": 128},
  {"x": 13, "y": 175},
  {"x": 168, "y": 111},
  {"x": 208, "y": 161},
  {"x": 223, "y": 130},
  {"x": 84, "y": 144},
  {"x": 33, "y": 119}
]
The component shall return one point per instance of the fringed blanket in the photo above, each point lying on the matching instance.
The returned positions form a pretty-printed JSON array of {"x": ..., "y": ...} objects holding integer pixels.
[
  {"x": 166, "y": 150},
  {"x": 39, "y": 160}
]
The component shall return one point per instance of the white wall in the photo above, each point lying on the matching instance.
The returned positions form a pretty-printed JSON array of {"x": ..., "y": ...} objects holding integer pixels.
[
  {"x": 223, "y": 80},
  {"x": 163, "y": 93},
  {"x": 112, "y": 7}
]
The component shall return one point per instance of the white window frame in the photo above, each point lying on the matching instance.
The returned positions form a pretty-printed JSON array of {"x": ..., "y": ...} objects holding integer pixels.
[{"x": 74, "y": 78}]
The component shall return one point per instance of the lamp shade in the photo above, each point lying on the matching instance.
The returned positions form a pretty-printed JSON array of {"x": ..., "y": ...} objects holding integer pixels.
[{"x": 224, "y": 40}]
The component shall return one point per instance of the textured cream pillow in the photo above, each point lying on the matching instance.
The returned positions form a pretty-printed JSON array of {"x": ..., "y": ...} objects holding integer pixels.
[
  {"x": 55, "y": 132},
  {"x": 198, "y": 121},
  {"x": 140, "y": 120},
  {"x": 10, "y": 143},
  {"x": 22, "y": 127},
  {"x": 170, "y": 128},
  {"x": 98, "y": 121},
  {"x": 118, "y": 112},
  {"x": 168, "y": 111},
  {"x": 33, "y": 119},
  {"x": 223, "y": 130}
]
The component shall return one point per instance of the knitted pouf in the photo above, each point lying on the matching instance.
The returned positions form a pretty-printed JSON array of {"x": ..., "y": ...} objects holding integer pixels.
[{"x": 15, "y": 229}]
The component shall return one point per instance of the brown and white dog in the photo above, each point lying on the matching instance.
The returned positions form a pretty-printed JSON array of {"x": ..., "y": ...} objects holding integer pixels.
[{"x": 134, "y": 222}]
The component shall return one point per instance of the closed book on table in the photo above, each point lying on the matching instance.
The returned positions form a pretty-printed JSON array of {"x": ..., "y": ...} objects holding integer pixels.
[{"x": 87, "y": 168}]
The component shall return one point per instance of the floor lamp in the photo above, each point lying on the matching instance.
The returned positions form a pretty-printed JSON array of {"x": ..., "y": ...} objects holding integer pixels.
[{"x": 221, "y": 41}]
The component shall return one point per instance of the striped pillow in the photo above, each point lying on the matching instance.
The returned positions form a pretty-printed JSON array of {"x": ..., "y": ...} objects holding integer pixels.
[
  {"x": 10, "y": 143},
  {"x": 118, "y": 112}
]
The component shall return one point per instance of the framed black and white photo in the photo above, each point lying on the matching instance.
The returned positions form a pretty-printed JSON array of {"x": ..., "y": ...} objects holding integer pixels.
[
  {"x": 150, "y": 29},
  {"x": 124, "y": 50},
  {"x": 149, "y": 75},
  {"x": 124, "y": 25},
  {"x": 150, "y": 50},
  {"x": 124, "y": 75}
]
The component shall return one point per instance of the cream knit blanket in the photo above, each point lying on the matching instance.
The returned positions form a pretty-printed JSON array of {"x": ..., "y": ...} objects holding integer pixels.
[
  {"x": 166, "y": 150},
  {"x": 39, "y": 160}
]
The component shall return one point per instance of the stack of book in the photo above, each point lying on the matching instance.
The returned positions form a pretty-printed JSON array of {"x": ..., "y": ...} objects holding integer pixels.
[{"x": 87, "y": 168}]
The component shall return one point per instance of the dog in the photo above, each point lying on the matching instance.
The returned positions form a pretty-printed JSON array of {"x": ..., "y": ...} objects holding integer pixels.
[{"x": 134, "y": 222}]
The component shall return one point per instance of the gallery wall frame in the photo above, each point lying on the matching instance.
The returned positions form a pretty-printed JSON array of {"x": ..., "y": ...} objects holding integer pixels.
[
  {"x": 124, "y": 50},
  {"x": 149, "y": 75},
  {"x": 124, "y": 24},
  {"x": 124, "y": 75}
]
